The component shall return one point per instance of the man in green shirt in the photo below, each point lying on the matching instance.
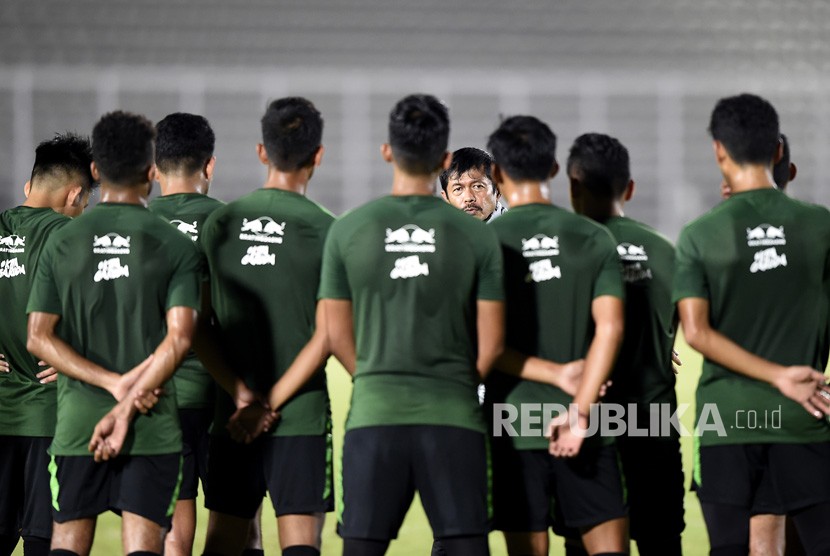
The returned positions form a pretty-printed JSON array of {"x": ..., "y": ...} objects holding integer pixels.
[
  {"x": 265, "y": 252},
  {"x": 468, "y": 185},
  {"x": 113, "y": 287},
  {"x": 59, "y": 188},
  {"x": 412, "y": 297},
  {"x": 185, "y": 163},
  {"x": 600, "y": 177},
  {"x": 564, "y": 302},
  {"x": 750, "y": 289}
]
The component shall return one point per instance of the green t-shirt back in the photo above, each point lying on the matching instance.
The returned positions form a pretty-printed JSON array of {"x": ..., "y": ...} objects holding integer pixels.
[
  {"x": 555, "y": 264},
  {"x": 643, "y": 373},
  {"x": 188, "y": 212},
  {"x": 762, "y": 260},
  {"x": 265, "y": 251},
  {"x": 413, "y": 268},
  {"x": 27, "y": 408},
  {"x": 111, "y": 275}
]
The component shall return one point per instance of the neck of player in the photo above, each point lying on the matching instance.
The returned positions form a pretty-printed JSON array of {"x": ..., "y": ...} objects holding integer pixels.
[
  {"x": 598, "y": 209},
  {"x": 408, "y": 184},
  {"x": 172, "y": 184},
  {"x": 125, "y": 194},
  {"x": 295, "y": 181},
  {"x": 748, "y": 177},
  {"x": 524, "y": 192}
]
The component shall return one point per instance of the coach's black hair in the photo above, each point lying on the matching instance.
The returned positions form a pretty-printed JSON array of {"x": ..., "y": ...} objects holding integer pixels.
[
  {"x": 747, "y": 126},
  {"x": 62, "y": 156},
  {"x": 184, "y": 143},
  {"x": 781, "y": 170},
  {"x": 600, "y": 163},
  {"x": 466, "y": 159},
  {"x": 122, "y": 147},
  {"x": 524, "y": 147},
  {"x": 419, "y": 131},
  {"x": 292, "y": 131}
]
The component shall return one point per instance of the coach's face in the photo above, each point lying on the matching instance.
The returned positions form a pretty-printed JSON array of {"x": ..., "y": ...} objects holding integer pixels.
[{"x": 473, "y": 193}]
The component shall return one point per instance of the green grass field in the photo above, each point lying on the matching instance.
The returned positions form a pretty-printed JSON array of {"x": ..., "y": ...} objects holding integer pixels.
[{"x": 415, "y": 537}]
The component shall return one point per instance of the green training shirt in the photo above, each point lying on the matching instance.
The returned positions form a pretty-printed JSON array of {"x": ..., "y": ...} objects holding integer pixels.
[
  {"x": 643, "y": 373},
  {"x": 556, "y": 263},
  {"x": 111, "y": 275},
  {"x": 265, "y": 252},
  {"x": 761, "y": 259},
  {"x": 413, "y": 268},
  {"x": 188, "y": 212},
  {"x": 27, "y": 408}
]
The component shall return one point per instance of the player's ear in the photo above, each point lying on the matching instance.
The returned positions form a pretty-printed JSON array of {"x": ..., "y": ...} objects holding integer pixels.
[
  {"x": 318, "y": 156},
  {"x": 720, "y": 151},
  {"x": 793, "y": 171},
  {"x": 447, "y": 161},
  {"x": 152, "y": 173},
  {"x": 629, "y": 191},
  {"x": 498, "y": 178},
  {"x": 262, "y": 154},
  {"x": 386, "y": 152},
  {"x": 27, "y": 188},
  {"x": 210, "y": 165},
  {"x": 93, "y": 168},
  {"x": 75, "y": 196},
  {"x": 444, "y": 195},
  {"x": 554, "y": 170},
  {"x": 779, "y": 152}
]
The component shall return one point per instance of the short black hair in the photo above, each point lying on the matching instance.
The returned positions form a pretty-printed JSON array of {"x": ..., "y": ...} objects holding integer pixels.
[
  {"x": 184, "y": 143},
  {"x": 61, "y": 157},
  {"x": 524, "y": 147},
  {"x": 122, "y": 147},
  {"x": 419, "y": 132},
  {"x": 292, "y": 131},
  {"x": 747, "y": 126},
  {"x": 600, "y": 163},
  {"x": 466, "y": 159},
  {"x": 781, "y": 170}
]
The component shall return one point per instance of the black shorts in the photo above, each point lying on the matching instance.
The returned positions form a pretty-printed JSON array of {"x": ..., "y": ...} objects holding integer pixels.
[
  {"x": 25, "y": 500},
  {"x": 384, "y": 466},
  {"x": 653, "y": 472},
  {"x": 295, "y": 470},
  {"x": 766, "y": 478},
  {"x": 147, "y": 486},
  {"x": 195, "y": 425},
  {"x": 533, "y": 490}
]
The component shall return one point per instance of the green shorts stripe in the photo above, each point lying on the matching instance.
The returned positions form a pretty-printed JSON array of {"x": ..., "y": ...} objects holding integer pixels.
[
  {"x": 172, "y": 507},
  {"x": 53, "y": 482},
  {"x": 329, "y": 458}
]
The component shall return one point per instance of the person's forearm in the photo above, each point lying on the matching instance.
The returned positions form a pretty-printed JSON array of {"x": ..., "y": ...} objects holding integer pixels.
[
  {"x": 528, "y": 367},
  {"x": 490, "y": 332},
  {"x": 308, "y": 361},
  {"x": 337, "y": 316},
  {"x": 718, "y": 348},
  {"x": 166, "y": 359},
  {"x": 60, "y": 355},
  {"x": 598, "y": 364}
]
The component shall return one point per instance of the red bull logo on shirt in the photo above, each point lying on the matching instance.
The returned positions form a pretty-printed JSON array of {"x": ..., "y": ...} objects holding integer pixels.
[
  {"x": 765, "y": 235},
  {"x": 262, "y": 229},
  {"x": 12, "y": 244},
  {"x": 410, "y": 239},
  {"x": 540, "y": 245},
  {"x": 111, "y": 244},
  {"x": 188, "y": 229}
]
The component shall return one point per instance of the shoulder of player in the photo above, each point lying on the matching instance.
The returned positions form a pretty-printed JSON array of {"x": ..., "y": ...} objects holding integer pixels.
[{"x": 630, "y": 230}]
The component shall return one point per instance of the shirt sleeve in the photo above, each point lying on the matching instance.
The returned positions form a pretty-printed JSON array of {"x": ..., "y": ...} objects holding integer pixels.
[
  {"x": 609, "y": 278},
  {"x": 185, "y": 283},
  {"x": 490, "y": 276},
  {"x": 44, "y": 296},
  {"x": 334, "y": 282},
  {"x": 689, "y": 273}
]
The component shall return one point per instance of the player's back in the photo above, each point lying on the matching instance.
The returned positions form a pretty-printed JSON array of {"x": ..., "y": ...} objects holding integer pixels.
[
  {"x": 761, "y": 259},
  {"x": 643, "y": 372},
  {"x": 111, "y": 274},
  {"x": 265, "y": 252},
  {"x": 26, "y": 406},
  {"x": 413, "y": 267}
]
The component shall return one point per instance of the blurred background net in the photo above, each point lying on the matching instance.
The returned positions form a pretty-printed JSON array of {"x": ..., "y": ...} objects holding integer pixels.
[{"x": 645, "y": 71}]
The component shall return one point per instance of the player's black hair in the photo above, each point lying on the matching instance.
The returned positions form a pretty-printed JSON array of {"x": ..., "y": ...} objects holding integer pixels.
[
  {"x": 747, "y": 126},
  {"x": 781, "y": 171},
  {"x": 62, "y": 156},
  {"x": 184, "y": 143},
  {"x": 122, "y": 147},
  {"x": 419, "y": 131},
  {"x": 600, "y": 163},
  {"x": 524, "y": 147},
  {"x": 466, "y": 159},
  {"x": 292, "y": 131}
]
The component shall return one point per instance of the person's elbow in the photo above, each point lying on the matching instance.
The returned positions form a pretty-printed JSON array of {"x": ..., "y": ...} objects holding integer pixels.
[
  {"x": 36, "y": 339},
  {"x": 695, "y": 336}
]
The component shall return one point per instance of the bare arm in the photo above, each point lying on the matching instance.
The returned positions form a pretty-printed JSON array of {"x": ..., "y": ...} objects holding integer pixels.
[
  {"x": 565, "y": 376},
  {"x": 800, "y": 383},
  {"x": 340, "y": 331},
  {"x": 490, "y": 329}
]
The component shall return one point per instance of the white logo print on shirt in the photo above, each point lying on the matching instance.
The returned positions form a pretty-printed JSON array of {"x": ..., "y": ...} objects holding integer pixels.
[
  {"x": 111, "y": 269},
  {"x": 258, "y": 255},
  {"x": 262, "y": 230},
  {"x": 111, "y": 244},
  {"x": 410, "y": 239},
  {"x": 540, "y": 245},
  {"x": 409, "y": 267},
  {"x": 11, "y": 268},
  {"x": 188, "y": 229},
  {"x": 12, "y": 244}
]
